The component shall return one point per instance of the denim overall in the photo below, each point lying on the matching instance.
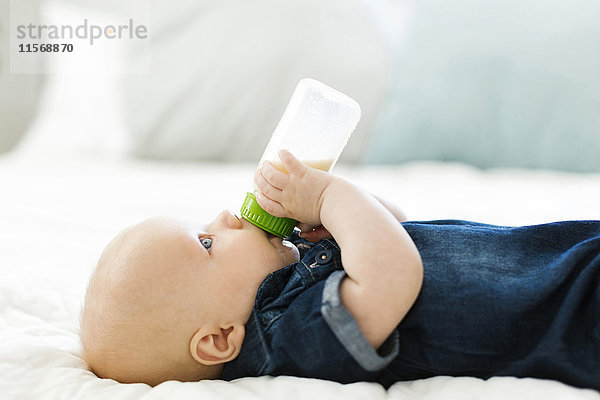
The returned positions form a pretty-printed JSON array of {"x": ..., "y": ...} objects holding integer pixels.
[{"x": 495, "y": 301}]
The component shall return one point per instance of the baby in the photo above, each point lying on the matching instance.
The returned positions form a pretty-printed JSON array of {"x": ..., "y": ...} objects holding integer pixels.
[{"x": 386, "y": 300}]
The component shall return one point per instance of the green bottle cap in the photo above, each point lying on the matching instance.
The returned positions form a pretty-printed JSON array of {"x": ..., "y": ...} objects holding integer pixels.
[{"x": 252, "y": 212}]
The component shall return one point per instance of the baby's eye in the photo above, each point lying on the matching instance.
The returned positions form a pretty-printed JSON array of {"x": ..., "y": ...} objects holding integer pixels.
[{"x": 206, "y": 242}]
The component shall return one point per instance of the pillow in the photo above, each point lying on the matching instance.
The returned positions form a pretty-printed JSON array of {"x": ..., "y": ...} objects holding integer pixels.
[
  {"x": 496, "y": 84},
  {"x": 223, "y": 72}
]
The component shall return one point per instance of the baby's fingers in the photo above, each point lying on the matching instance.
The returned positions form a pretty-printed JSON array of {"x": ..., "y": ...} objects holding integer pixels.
[
  {"x": 316, "y": 234},
  {"x": 274, "y": 176},
  {"x": 293, "y": 165},
  {"x": 269, "y": 205},
  {"x": 265, "y": 187}
]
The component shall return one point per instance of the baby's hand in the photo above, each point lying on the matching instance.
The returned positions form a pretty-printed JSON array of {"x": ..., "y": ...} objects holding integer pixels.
[
  {"x": 297, "y": 194},
  {"x": 314, "y": 235}
]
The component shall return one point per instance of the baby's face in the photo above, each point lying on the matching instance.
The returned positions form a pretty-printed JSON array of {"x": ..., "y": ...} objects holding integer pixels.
[{"x": 225, "y": 260}]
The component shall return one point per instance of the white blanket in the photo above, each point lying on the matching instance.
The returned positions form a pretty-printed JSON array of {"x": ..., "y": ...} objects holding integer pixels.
[{"x": 57, "y": 214}]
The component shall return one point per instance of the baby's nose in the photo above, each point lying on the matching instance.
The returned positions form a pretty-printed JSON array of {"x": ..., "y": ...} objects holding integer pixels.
[{"x": 228, "y": 219}]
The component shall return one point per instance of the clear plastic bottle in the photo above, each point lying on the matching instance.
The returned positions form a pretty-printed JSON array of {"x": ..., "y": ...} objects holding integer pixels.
[{"x": 315, "y": 128}]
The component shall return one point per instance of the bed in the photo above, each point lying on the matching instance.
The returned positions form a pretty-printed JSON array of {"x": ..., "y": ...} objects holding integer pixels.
[{"x": 58, "y": 210}]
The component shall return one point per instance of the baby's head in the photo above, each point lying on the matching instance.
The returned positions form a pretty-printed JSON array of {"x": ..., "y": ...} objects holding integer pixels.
[{"x": 169, "y": 299}]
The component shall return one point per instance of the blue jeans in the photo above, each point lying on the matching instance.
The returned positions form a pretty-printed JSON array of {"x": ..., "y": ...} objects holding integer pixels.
[{"x": 522, "y": 301}]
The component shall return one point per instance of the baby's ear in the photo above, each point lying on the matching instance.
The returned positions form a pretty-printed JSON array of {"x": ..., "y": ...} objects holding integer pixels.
[{"x": 216, "y": 345}]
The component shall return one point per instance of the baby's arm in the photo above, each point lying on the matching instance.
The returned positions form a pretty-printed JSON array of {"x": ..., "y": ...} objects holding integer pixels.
[
  {"x": 393, "y": 208},
  {"x": 383, "y": 266},
  {"x": 314, "y": 234}
]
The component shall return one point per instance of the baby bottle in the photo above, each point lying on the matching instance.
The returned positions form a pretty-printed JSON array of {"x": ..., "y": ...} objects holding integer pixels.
[{"x": 315, "y": 127}]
